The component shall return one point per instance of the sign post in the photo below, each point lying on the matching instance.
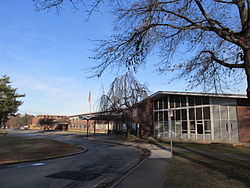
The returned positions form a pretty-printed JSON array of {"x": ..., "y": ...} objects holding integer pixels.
[{"x": 170, "y": 113}]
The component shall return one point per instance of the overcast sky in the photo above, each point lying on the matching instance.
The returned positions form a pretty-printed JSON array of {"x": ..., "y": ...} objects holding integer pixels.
[{"x": 45, "y": 54}]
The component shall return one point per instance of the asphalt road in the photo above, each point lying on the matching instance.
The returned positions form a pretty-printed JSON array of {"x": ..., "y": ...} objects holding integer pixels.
[{"x": 101, "y": 166}]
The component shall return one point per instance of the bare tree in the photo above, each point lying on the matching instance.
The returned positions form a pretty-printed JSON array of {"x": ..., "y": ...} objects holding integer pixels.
[
  {"x": 124, "y": 92},
  {"x": 217, "y": 32}
]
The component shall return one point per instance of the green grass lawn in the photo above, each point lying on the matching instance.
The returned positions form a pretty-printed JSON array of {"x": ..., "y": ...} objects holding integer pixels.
[
  {"x": 190, "y": 168},
  {"x": 14, "y": 149}
]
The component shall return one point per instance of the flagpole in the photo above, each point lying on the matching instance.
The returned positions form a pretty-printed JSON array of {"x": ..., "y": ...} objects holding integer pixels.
[{"x": 89, "y": 99}]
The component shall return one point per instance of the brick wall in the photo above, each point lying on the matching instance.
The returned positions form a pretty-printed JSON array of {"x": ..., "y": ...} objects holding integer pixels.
[
  {"x": 144, "y": 117},
  {"x": 243, "y": 116}
]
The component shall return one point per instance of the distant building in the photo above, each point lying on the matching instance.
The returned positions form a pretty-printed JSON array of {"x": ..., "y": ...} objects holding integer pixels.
[
  {"x": 97, "y": 122},
  {"x": 35, "y": 120}
]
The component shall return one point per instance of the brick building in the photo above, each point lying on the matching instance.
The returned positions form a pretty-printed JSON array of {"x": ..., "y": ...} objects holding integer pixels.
[{"x": 35, "y": 120}]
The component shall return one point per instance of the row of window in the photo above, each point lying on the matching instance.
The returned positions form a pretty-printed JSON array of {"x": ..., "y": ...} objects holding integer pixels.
[
  {"x": 178, "y": 127},
  {"x": 182, "y": 114},
  {"x": 84, "y": 126},
  {"x": 176, "y": 101}
]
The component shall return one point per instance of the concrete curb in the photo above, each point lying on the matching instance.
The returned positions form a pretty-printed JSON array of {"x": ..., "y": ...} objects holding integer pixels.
[{"x": 44, "y": 158}]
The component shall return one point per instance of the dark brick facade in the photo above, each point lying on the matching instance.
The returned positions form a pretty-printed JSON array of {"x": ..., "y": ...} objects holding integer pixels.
[
  {"x": 243, "y": 116},
  {"x": 144, "y": 117}
]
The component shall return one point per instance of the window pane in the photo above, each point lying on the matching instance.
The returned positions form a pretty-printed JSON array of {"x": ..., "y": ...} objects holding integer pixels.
[
  {"x": 165, "y": 116},
  {"x": 166, "y": 126},
  {"x": 160, "y": 104},
  {"x": 178, "y": 115},
  {"x": 199, "y": 128},
  {"x": 198, "y": 100},
  {"x": 165, "y": 103},
  {"x": 192, "y": 126},
  {"x": 160, "y": 116},
  {"x": 191, "y": 114},
  {"x": 184, "y": 126},
  {"x": 207, "y": 127},
  {"x": 206, "y": 113},
  {"x": 190, "y": 100},
  {"x": 171, "y": 100},
  {"x": 205, "y": 100},
  {"x": 177, "y": 101},
  {"x": 156, "y": 116},
  {"x": 183, "y": 101},
  {"x": 199, "y": 113},
  {"x": 178, "y": 127},
  {"x": 184, "y": 114}
]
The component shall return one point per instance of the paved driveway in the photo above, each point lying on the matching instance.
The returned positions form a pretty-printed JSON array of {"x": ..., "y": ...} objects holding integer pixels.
[{"x": 101, "y": 165}]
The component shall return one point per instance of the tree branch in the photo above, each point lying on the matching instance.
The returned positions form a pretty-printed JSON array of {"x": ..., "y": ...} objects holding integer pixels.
[{"x": 221, "y": 62}]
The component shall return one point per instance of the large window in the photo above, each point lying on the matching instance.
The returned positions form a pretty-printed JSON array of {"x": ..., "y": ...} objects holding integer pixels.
[{"x": 189, "y": 115}]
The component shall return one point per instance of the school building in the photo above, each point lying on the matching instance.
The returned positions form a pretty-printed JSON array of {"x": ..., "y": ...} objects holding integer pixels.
[{"x": 201, "y": 116}]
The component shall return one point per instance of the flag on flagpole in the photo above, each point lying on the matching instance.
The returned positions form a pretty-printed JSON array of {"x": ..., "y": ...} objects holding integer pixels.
[{"x": 89, "y": 99}]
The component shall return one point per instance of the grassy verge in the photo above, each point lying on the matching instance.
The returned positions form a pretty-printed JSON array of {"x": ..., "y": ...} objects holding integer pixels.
[
  {"x": 237, "y": 149},
  {"x": 16, "y": 149},
  {"x": 190, "y": 168}
]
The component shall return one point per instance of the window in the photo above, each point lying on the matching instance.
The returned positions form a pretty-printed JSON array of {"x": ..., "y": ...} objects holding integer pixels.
[
  {"x": 178, "y": 127},
  {"x": 160, "y": 104},
  {"x": 177, "y": 101},
  {"x": 199, "y": 127},
  {"x": 205, "y": 100},
  {"x": 184, "y": 114},
  {"x": 156, "y": 116},
  {"x": 184, "y": 127},
  {"x": 192, "y": 126},
  {"x": 165, "y": 116},
  {"x": 207, "y": 127},
  {"x": 166, "y": 126},
  {"x": 190, "y": 100},
  {"x": 191, "y": 114},
  {"x": 178, "y": 115},
  {"x": 171, "y": 100},
  {"x": 160, "y": 116},
  {"x": 183, "y": 101},
  {"x": 199, "y": 113},
  {"x": 165, "y": 103},
  {"x": 198, "y": 101},
  {"x": 206, "y": 112}
]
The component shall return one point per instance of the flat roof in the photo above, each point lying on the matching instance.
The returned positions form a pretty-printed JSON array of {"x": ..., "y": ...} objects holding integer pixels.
[{"x": 222, "y": 95}]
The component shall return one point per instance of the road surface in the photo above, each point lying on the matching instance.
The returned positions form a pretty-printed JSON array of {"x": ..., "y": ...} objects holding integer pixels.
[{"x": 102, "y": 165}]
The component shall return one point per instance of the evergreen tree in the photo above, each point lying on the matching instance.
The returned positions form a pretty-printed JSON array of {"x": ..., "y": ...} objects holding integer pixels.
[{"x": 9, "y": 102}]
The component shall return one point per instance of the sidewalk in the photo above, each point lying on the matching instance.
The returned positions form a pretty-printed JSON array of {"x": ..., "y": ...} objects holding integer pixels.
[{"x": 150, "y": 172}]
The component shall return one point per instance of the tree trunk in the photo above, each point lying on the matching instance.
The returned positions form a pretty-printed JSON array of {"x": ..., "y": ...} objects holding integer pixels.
[{"x": 247, "y": 69}]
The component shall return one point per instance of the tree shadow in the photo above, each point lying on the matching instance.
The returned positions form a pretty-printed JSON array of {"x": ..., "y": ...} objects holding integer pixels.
[{"x": 222, "y": 167}]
